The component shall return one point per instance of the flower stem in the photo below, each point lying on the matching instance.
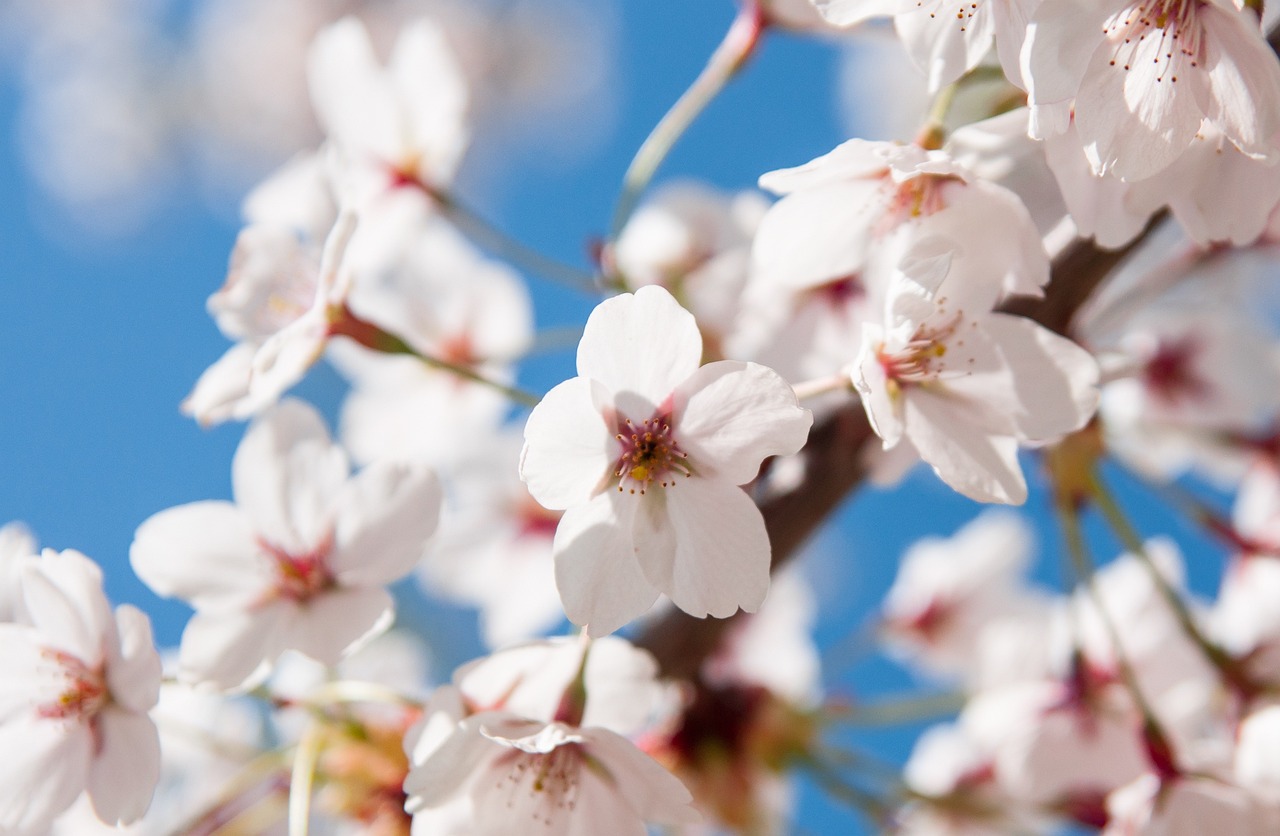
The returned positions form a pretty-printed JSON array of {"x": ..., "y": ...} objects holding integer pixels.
[
  {"x": 813, "y": 388},
  {"x": 305, "y": 760},
  {"x": 738, "y": 45},
  {"x": 898, "y": 710},
  {"x": 492, "y": 239},
  {"x": 344, "y": 323}
]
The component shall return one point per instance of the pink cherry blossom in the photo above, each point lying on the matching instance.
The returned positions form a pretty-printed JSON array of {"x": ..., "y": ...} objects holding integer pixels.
[
  {"x": 965, "y": 385},
  {"x": 78, "y": 685},
  {"x": 299, "y": 561},
  {"x": 645, "y": 452},
  {"x": 1140, "y": 77}
]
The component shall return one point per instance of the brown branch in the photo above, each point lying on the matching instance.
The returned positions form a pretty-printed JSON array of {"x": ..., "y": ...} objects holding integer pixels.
[{"x": 834, "y": 459}]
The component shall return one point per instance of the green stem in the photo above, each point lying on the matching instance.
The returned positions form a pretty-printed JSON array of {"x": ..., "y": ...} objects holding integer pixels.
[
  {"x": 305, "y": 760},
  {"x": 899, "y": 710},
  {"x": 498, "y": 243},
  {"x": 934, "y": 132},
  {"x": 344, "y": 323},
  {"x": 1132, "y": 543},
  {"x": 738, "y": 46}
]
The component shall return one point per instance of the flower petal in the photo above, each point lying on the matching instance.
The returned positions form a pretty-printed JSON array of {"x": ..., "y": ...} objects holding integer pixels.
[
  {"x": 385, "y": 516},
  {"x": 335, "y": 624},
  {"x": 569, "y": 448},
  {"x": 600, "y": 581},
  {"x": 234, "y": 648},
  {"x": 133, "y": 667},
  {"x": 721, "y": 562},
  {"x": 45, "y": 768},
  {"x": 651, "y": 791},
  {"x": 126, "y": 768},
  {"x": 640, "y": 345},
  {"x": 732, "y": 416},
  {"x": 980, "y": 466}
]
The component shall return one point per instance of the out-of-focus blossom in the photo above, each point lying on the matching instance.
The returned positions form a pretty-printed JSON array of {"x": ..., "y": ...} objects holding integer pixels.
[
  {"x": 299, "y": 561},
  {"x": 16, "y": 544},
  {"x": 79, "y": 683}
]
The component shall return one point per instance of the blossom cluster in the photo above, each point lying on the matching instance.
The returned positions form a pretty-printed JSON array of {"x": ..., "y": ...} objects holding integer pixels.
[{"x": 926, "y": 294}]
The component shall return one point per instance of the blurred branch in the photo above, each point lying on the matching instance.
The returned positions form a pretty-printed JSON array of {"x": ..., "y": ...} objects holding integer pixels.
[{"x": 834, "y": 467}]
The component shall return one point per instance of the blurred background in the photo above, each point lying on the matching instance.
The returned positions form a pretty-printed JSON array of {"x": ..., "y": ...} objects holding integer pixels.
[{"x": 131, "y": 129}]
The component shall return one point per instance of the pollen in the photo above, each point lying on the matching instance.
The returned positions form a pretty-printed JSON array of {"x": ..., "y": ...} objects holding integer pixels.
[{"x": 650, "y": 455}]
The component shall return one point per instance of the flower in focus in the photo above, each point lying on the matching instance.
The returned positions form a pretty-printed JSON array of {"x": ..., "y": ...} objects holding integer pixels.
[
  {"x": 965, "y": 385},
  {"x": 645, "y": 451},
  {"x": 78, "y": 685},
  {"x": 299, "y": 561}
]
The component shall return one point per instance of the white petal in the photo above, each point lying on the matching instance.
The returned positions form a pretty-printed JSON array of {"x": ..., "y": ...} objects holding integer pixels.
[
  {"x": 721, "y": 562},
  {"x": 221, "y": 389},
  {"x": 204, "y": 553},
  {"x": 349, "y": 90},
  {"x": 729, "y": 417},
  {"x": 133, "y": 668},
  {"x": 1061, "y": 41},
  {"x": 569, "y": 449},
  {"x": 651, "y": 791},
  {"x": 600, "y": 581},
  {"x": 385, "y": 516},
  {"x": 1056, "y": 380},
  {"x": 980, "y": 466},
  {"x": 45, "y": 767},
  {"x": 64, "y": 598},
  {"x": 852, "y": 160},
  {"x": 286, "y": 475},
  {"x": 816, "y": 235},
  {"x": 234, "y": 648},
  {"x": 126, "y": 768},
  {"x": 335, "y": 624},
  {"x": 1244, "y": 80},
  {"x": 450, "y": 766},
  {"x": 640, "y": 346},
  {"x": 941, "y": 45}
]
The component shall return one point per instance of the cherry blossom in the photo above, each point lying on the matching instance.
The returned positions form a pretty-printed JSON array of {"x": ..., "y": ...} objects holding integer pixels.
[
  {"x": 641, "y": 426},
  {"x": 299, "y": 561},
  {"x": 1141, "y": 77},
  {"x": 16, "y": 544},
  {"x": 964, "y": 385},
  {"x": 79, "y": 681}
]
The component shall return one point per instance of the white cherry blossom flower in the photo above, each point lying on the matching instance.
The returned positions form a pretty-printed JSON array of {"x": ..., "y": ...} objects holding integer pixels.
[
  {"x": 1140, "y": 77},
  {"x": 645, "y": 452},
  {"x": 965, "y": 385},
  {"x": 945, "y": 40},
  {"x": 78, "y": 684},
  {"x": 299, "y": 561}
]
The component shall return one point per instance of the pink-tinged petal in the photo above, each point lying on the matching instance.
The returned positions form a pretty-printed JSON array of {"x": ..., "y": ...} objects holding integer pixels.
[
  {"x": 640, "y": 346},
  {"x": 816, "y": 235},
  {"x": 126, "y": 767},
  {"x": 651, "y": 791},
  {"x": 385, "y": 516},
  {"x": 942, "y": 46},
  {"x": 28, "y": 677},
  {"x": 721, "y": 562},
  {"x": 1001, "y": 246},
  {"x": 1011, "y": 20},
  {"x": 335, "y": 624},
  {"x": 851, "y": 12},
  {"x": 133, "y": 667},
  {"x": 600, "y": 581},
  {"x": 283, "y": 360},
  {"x": 881, "y": 398},
  {"x": 1244, "y": 79},
  {"x": 949, "y": 436},
  {"x": 450, "y": 767},
  {"x": 64, "y": 599},
  {"x": 1232, "y": 197},
  {"x": 1056, "y": 381},
  {"x": 234, "y": 648},
  {"x": 286, "y": 475},
  {"x": 1110, "y": 210},
  {"x": 855, "y": 159},
  {"x": 569, "y": 449},
  {"x": 731, "y": 416},
  {"x": 1132, "y": 119},
  {"x": 221, "y": 389},
  {"x": 46, "y": 765},
  {"x": 598, "y": 807},
  {"x": 204, "y": 552},
  {"x": 349, "y": 89},
  {"x": 1061, "y": 41},
  {"x": 433, "y": 91},
  {"x": 532, "y": 736}
]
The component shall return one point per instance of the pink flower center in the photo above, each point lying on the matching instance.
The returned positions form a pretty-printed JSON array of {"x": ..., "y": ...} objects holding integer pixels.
[
  {"x": 83, "y": 692},
  {"x": 1171, "y": 375},
  {"x": 551, "y": 779},
  {"x": 301, "y": 577},
  {"x": 649, "y": 454},
  {"x": 1167, "y": 30},
  {"x": 920, "y": 359},
  {"x": 911, "y": 199}
]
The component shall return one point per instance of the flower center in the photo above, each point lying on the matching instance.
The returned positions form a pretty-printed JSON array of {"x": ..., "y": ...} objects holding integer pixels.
[
  {"x": 301, "y": 577},
  {"x": 920, "y": 359},
  {"x": 1170, "y": 374},
  {"x": 649, "y": 454},
  {"x": 84, "y": 691},
  {"x": 1164, "y": 31},
  {"x": 551, "y": 780}
]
